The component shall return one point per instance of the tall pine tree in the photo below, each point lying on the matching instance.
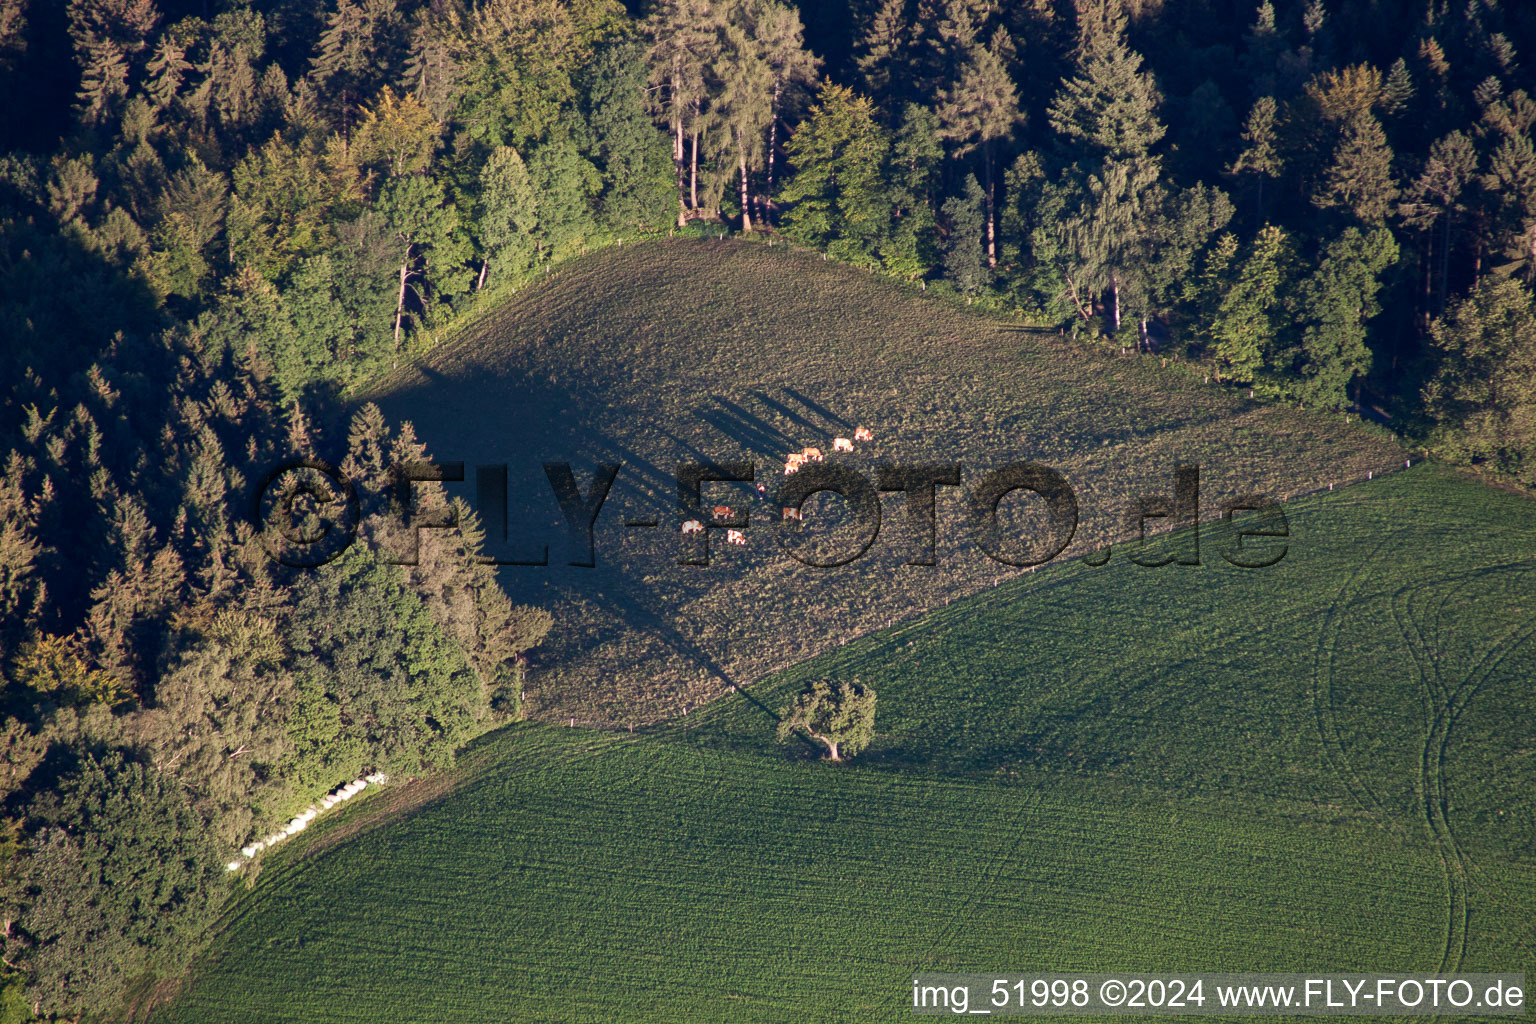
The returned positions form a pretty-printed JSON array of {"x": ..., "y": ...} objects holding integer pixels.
[
  {"x": 1106, "y": 117},
  {"x": 979, "y": 111}
]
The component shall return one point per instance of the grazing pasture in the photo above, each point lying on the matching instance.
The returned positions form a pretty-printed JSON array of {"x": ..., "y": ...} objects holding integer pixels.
[
  {"x": 1326, "y": 764},
  {"x": 687, "y": 351}
]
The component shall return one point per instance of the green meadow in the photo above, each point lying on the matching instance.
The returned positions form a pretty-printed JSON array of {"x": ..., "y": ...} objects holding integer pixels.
[{"x": 1325, "y": 764}]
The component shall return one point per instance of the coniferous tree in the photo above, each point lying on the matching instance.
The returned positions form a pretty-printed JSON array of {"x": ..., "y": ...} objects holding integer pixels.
[
  {"x": 837, "y": 196},
  {"x": 1510, "y": 184},
  {"x": 1260, "y": 156},
  {"x": 965, "y": 243},
  {"x": 744, "y": 107},
  {"x": 1360, "y": 179},
  {"x": 104, "y": 83},
  {"x": 434, "y": 69},
  {"x": 13, "y": 33},
  {"x": 1397, "y": 91},
  {"x": 357, "y": 52},
  {"x": 1434, "y": 70},
  {"x": 71, "y": 191},
  {"x": 628, "y": 150},
  {"x": 1206, "y": 125},
  {"x": 782, "y": 38},
  {"x": 108, "y": 36},
  {"x": 19, "y": 549},
  {"x": 1204, "y": 294},
  {"x": 1106, "y": 116},
  {"x": 1504, "y": 116},
  {"x": 684, "y": 47},
  {"x": 916, "y": 153},
  {"x": 881, "y": 53},
  {"x": 980, "y": 110},
  {"x": 1178, "y": 227},
  {"x": 1251, "y": 314},
  {"x": 1107, "y": 109},
  {"x": 1434, "y": 199},
  {"x": 191, "y": 220},
  {"x": 167, "y": 70},
  {"x": 1333, "y": 304},
  {"x": 1263, "y": 49}
]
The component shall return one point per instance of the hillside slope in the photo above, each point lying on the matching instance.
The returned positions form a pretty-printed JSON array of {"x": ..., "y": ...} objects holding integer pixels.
[
  {"x": 688, "y": 351},
  {"x": 1322, "y": 768}
]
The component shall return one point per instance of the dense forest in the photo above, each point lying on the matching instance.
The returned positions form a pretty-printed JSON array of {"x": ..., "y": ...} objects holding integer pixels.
[{"x": 220, "y": 218}]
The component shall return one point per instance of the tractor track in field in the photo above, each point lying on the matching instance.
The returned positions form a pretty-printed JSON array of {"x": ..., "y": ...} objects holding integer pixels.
[
  {"x": 1011, "y": 839},
  {"x": 1443, "y": 703},
  {"x": 1457, "y": 699},
  {"x": 1429, "y": 785},
  {"x": 1334, "y": 749},
  {"x": 1429, "y": 782}
]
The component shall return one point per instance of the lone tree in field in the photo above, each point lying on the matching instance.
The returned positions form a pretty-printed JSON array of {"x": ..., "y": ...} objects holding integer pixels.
[{"x": 840, "y": 716}]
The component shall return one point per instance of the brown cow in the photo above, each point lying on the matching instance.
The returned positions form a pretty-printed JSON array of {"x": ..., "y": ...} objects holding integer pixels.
[
  {"x": 842, "y": 444},
  {"x": 792, "y": 513},
  {"x": 723, "y": 511},
  {"x": 863, "y": 434},
  {"x": 735, "y": 537}
]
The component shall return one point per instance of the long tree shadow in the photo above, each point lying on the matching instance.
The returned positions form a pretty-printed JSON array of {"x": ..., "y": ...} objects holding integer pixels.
[
  {"x": 790, "y": 414},
  {"x": 818, "y": 408},
  {"x": 637, "y": 615},
  {"x": 640, "y": 477},
  {"x": 746, "y": 428}
]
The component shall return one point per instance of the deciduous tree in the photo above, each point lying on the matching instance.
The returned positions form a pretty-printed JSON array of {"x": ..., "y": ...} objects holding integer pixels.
[
  {"x": 1482, "y": 393},
  {"x": 509, "y": 212},
  {"x": 427, "y": 233},
  {"x": 122, "y": 880},
  {"x": 838, "y": 715},
  {"x": 397, "y": 133}
]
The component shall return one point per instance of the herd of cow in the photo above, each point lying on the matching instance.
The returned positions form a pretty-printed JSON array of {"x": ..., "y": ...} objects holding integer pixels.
[{"x": 792, "y": 464}]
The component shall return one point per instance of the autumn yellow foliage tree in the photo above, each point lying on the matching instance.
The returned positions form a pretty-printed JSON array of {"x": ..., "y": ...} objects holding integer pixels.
[
  {"x": 398, "y": 134},
  {"x": 49, "y": 664}
]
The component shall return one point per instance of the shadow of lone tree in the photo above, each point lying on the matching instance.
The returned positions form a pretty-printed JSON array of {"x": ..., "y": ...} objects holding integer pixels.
[{"x": 839, "y": 716}]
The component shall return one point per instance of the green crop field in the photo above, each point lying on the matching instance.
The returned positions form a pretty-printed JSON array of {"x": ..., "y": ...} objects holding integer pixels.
[
  {"x": 675, "y": 352},
  {"x": 1326, "y": 764}
]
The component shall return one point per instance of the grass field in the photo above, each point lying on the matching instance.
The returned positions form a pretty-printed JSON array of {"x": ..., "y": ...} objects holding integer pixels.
[
  {"x": 664, "y": 353},
  {"x": 1327, "y": 764}
]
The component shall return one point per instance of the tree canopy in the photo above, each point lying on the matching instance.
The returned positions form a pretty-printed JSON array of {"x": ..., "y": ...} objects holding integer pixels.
[{"x": 838, "y": 715}]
